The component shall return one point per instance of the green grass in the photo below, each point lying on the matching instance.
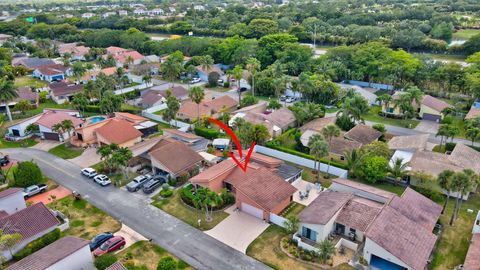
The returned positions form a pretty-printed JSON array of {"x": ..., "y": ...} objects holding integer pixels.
[
  {"x": 175, "y": 207},
  {"x": 453, "y": 244},
  {"x": 293, "y": 209},
  {"x": 465, "y": 33},
  {"x": 64, "y": 152},
  {"x": 442, "y": 56},
  {"x": 47, "y": 104},
  {"x": 30, "y": 82},
  {"x": 373, "y": 116},
  {"x": 24, "y": 143}
]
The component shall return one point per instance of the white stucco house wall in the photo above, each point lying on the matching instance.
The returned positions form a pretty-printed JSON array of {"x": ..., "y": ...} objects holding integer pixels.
[{"x": 371, "y": 248}]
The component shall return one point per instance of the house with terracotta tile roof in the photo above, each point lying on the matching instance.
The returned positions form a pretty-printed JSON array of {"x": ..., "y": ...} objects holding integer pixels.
[
  {"x": 264, "y": 188},
  {"x": 78, "y": 53},
  {"x": 117, "y": 131},
  {"x": 45, "y": 121},
  {"x": 31, "y": 223},
  {"x": 474, "y": 111},
  {"x": 92, "y": 75},
  {"x": 395, "y": 231},
  {"x": 124, "y": 56},
  {"x": 66, "y": 253},
  {"x": 189, "y": 109},
  {"x": 51, "y": 73},
  {"x": 276, "y": 122}
]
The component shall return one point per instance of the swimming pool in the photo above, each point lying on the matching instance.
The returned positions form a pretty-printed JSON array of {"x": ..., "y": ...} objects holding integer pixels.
[{"x": 96, "y": 119}]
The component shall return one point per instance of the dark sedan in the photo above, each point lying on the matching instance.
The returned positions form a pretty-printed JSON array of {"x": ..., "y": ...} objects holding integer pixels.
[{"x": 99, "y": 240}]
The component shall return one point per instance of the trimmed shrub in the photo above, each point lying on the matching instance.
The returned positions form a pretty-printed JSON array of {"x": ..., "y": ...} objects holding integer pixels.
[
  {"x": 167, "y": 263},
  {"x": 92, "y": 109},
  {"x": 104, "y": 261},
  {"x": 213, "y": 78},
  {"x": 165, "y": 193},
  {"x": 207, "y": 133},
  {"x": 27, "y": 173},
  {"x": 38, "y": 244},
  {"x": 132, "y": 110}
]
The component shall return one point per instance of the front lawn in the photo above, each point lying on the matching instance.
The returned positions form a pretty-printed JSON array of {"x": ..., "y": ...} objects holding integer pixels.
[
  {"x": 65, "y": 152},
  {"x": 86, "y": 220},
  {"x": 30, "y": 82},
  {"x": 453, "y": 244},
  {"x": 145, "y": 255},
  {"x": 175, "y": 207},
  {"x": 373, "y": 116},
  {"x": 266, "y": 248},
  {"x": 23, "y": 143},
  {"x": 465, "y": 33}
]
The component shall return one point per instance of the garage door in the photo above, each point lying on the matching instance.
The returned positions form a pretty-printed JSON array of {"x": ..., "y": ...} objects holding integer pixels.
[
  {"x": 256, "y": 212},
  {"x": 51, "y": 136},
  {"x": 431, "y": 117}
]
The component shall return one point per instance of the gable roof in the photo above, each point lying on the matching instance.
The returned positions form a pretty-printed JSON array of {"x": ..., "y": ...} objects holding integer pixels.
[
  {"x": 189, "y": 109},
  {"x": 402, "y": 237},
  {"x": 51, "y": 254},
  {"x": 417, "y": 208},
  {"x": 357, "y": 215},
  {"x": 365, "y": 188},
  {"x": 50, "y": 118},
  {"x": 214, "y": 171},
  {"x": 175, "y": 156},
  {"x": 465, "y": 157},
  {"x": 282, "y": 117},
  {"x": 340, "y": 145},
  {"x": 178, "y": 91},
  {"x": 324, "y": 207},
  {"x": 150, "y": 97},
  {"x": 116, "y": 266},
  {"x": 118, "y": 131},
  {"x": 26, "y": 93},
  {"x": 29, "y": 221},
  {"x": 114, "y": 49},
  {"x": 319, "y": 123},
  {"x": 9, "y": 192},
  {"x": 218, "y": 103},
  {"x": 473, "y": 113},
  {"x": 123, "y": 57},
  {"x": 35, "y": 62},
  {"x": 363, "y": 134},
  {"x": 472, "y": 261},
  {"x": 62, "y": 88},
  {"x": 133, "y": 118},
  {"x": 409, "y": 142},
  {"x": 435, "y": 103},
  {"x": 53, "y": 69}
]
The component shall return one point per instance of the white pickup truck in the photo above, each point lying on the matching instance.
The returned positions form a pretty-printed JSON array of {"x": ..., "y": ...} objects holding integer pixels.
[{"x": 34, "y": 189}]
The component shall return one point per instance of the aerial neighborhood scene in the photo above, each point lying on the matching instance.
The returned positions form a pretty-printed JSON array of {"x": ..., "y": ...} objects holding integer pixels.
[{"x": 234, "y": 134}]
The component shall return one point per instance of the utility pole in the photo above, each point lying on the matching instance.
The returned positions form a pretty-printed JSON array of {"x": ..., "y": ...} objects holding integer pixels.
[{"x": 314, "y": 36}]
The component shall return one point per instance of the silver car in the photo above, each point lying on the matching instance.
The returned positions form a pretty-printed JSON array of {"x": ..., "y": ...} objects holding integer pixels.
[{"x": 102, "y": 179}]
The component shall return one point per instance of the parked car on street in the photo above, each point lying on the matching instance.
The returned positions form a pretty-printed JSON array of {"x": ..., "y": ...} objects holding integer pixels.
[
  {"x": 102, "y": 179},
  {"x": 138, "y": 182},
  {"x": 99, "y": 239},
  {"x": 290, "y": 99},
  {"x": 34, "y": 189},
  {"x": 4, "y": 160},
  {"x": 195, "y": 80},
  {"x": 283, "y": 98},
  {"x": 89, "y": 172},
  {"x": 153, "y": 184},
  {"x": 113, "y": 244},
  {"x": 243, "y": 89}
]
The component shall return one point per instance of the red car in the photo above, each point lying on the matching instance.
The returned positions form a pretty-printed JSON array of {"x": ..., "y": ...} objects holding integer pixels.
[{"x": 112, "y": 244}]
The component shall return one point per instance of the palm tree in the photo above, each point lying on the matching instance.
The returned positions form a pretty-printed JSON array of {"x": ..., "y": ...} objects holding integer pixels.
[
  {"x": 206, "y": 62},
  {"x": 237, "y": 73},
  {"x": 353, "y": 159},
  {"x": 415, "y": 95},
  {"x": 404, "y": 103},
  {"x": 7, "y": 94},
  {"x": 291, "y": 224},
  {"x": 444, "y": 180},
  {"x": 467, "y": 186},
  {"x": 398, "y": 170},
  {"x": 329, "y": 132},
  {"x": 384, "y": 100},
  {"x": 314, "y": 138},
  {"x": 58, "y": 127},
  {"x": 67, "y": 126},
  {"x": 472, "y": 133},
  {"x": 171, "y": 68},
  {"x": 80, "y": 102},
  {"x": 197, "y": 94},
  {"x": 355, "y": 107},
  {"x": 206, "y": 200},
  {"x": 319, "y": 150},
  {"x": 326, "y": 250},
  {"x": 443, "y": 132},
  {"x": 253, "y": 65},
  {"x": 121, "y": 157},
  {"x": 459, "y": 181}
]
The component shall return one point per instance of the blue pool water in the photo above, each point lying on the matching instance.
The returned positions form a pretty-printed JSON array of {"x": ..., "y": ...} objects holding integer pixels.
[
  {"x": 96, "y": 119},
  {"x": 381, "y": 264}
]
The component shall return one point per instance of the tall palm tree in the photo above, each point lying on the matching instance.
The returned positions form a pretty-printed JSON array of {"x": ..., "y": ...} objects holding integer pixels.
[
  {"x": 237, "y": 73},
  {"x": 467, "y": 186},
  {"x": 443, "y": 132},
  {"x": 415, "y": 94},
  {"x": 171, "y": 68},
  {"x": 319, "y": 150},
  {"x": 444, "y": 180},
  {"x": 58, "y": 127},
  {"x": 353, "y": 159},
  {"x": 472, "y": 133},
  {"x": 206, "y": 62},
  {"x": 404, "y": 103},
  {"x": 398, "y": 170},
  {"x": 197, "y": 94},
  {"x": 329, "y": 132},
  {"x": 355, "y": 107},
  {"x": 253, "y": 65},
  {"x": 67, "y": 126},
  {"x": 312, "y": 140},
  {"x": 7, "y": 94},
  {"x": 384, "y": 100},
  {"x": 460, "y": 184}
]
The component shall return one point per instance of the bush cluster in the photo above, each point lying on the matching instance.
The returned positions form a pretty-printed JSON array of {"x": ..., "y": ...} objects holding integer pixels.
[
  {"x": 38, "y": 244},
  {"x": 207, "y": 133}
]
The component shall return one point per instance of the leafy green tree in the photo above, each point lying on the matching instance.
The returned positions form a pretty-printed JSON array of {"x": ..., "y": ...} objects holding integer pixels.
[
  {"x": 26, "y": 174},
  {"x": 197, "y": 94},
  {"x": 121, "y": 157},
  {"x": 172, "y": 67},
  {"x": 173, "y": 105},
  {"x": 22, "y": 106},
  {"x": 473, "y": 134},
  {"x": 9, "y": 240},
  {"x": 443, "y": 31},
  {"x": 248, "y": 100},
  {"x": 110, "y": 103},
  {"x": 354, "y": 107},
  {"x": 32, "y": 128},
  {"x": 253, "y": 65},
  {"x": 78, "y": 69},
  {"x": 167, "y": 263},
  {"x": 104, "y": 261},
  {"x": 258, "y": 28},
  {"x": 374, "y": 169},
  {"x": 205, "y": 200},
  {"x": 80, "y": 102},
  {"x": 377, "y": 148},
  {"x": 106, "y": 155},
  {"x": 291, "y": 224},
  {"x": 7, "y": 94},
  {"x": 273, "y": 104}
]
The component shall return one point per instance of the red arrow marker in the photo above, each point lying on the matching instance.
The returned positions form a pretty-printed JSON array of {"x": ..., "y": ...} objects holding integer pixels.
[{"x": 237, "y": 143}]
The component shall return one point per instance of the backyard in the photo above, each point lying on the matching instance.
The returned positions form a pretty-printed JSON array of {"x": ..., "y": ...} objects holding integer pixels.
[
  {"x": 145, "y": 255},
  {"x": 175, "y": 207},
  {"x": 86, "y": 220},
  {"x": 373, "y": 116},
  {"x": 465, "y": 33},
  {"x": 29, "y": 81},
  {"x": 65, "y": 152}
]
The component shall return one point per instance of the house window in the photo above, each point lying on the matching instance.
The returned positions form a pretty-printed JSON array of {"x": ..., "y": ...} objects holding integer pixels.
[
  {"x": 308, "y": 233},
  {"x": 390, "y": 110}
]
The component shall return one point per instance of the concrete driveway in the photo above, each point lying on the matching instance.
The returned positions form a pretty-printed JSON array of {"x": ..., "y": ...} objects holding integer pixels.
[
  {"x": 46, "y": 145},
  {"x": 238, "y": 230},
  {"x": 59, "y": 193},
  {"x": 130, "y": 235},
  {"x": 427, "y": 127},
  {"x": 88, "y": 158}
]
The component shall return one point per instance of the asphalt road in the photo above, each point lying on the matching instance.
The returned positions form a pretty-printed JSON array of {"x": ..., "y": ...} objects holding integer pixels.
[{"x": 189, "y": 244}]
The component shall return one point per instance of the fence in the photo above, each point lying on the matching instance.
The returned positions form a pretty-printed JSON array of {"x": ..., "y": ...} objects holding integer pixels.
[
  {"x": 278, "y": 220},
  {"x": 156, "y": 108},
  {"x": 182, "y": 126},
  {"x": 131, "y": 88},
  {"x": 301, "y": 161}
]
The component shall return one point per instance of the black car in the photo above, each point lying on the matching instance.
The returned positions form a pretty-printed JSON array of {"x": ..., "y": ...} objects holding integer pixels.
[
  {"x": 4, "y": 161},
  {"x": 153, "y": 184},
  {"x": 99, "y": 240}
]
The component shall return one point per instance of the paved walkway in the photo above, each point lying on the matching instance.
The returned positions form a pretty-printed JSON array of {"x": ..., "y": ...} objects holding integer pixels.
[
  {"x": 196, "y": 248},
  {"x": 88, "y": 158},
  {"x": 301, "y": 185},
  {"x": 59, "y": 193},
  {"x": 238, "y": 230},
  {"x": 46, "y": 145}
]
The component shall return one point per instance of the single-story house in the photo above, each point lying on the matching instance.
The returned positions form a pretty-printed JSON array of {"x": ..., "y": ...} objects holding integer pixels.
[
  {"x": 276, "y": 122},
  {"x": 368, "y": 95},
  {"x": 211, "y": 108},
  {"x": 117, "y": 131},
  {"x": 395, "y": 230},
  {"x": 203, "y": 73},
  {"x": 11, "y": 201},
  {"x": 363, "y": 134},
  {"x": 145, "y": 69},
  {"x": 474, "y": 111},
  {"x": 45, "y": 121},
  {"x": 93, "y": 74},
  {"x": 432, "y": 108},
  {"x": 62, "y": 91},
  {"x": 31, "y": 223},
  {"x": 406, "y": 146},
  {"x": 378, "y": 86},
  {"x": 51, "y": 73},
  {"x": 157, "y": 95},
  {"x": 196, "y": 143},
  {"x": 472, "y": 261},
  {"x": 24, "y": 93},
  {"x": 66, "y": 253},
  {"x": 32, "y": 63},
  {"x": 123, "y": 56},
  {"x": 318, "y": 124},
  {"x": 263, "y": 189},
  {"x": 78, "y": 53}
]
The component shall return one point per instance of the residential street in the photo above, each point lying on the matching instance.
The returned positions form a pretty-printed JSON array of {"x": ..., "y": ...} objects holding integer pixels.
[{"x": 189, "y": 244}]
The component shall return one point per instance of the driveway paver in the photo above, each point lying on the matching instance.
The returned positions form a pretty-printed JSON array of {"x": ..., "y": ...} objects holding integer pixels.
[
  {"x": 88, "y": 158},
  {"x": 59, "y": 193},
  {"x": 130, "y": 235},
  {"x": 302, "y": 185},
  {"x": 46, "y": 145},
  {"x": 238, "y": 230},
  {"x": 427, "y": 127}
]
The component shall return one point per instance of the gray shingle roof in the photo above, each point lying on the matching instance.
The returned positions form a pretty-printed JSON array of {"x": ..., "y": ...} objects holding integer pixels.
[{"x": 324, "y": 207}]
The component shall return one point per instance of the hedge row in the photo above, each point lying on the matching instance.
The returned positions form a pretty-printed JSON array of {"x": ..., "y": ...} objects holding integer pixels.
[
  {"x": 207, "y": 133},
  {"x": 96, "y": 109},
  {"x": 38, "y": 244}
]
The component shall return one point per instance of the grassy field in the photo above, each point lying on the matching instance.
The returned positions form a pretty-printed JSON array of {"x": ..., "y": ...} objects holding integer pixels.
[
  {"x": 293, "y": 209},
  {"x": 30, "y": 82},
  {"x": 465, "y": 33},
  {"x": 24, "y": 143},
  {"x": 64, "y": 152},
  {"x": 453, "y": 244},
  {"x": 266, "y": 248},
  {"x": 86, "y": 220},
  {"x": 175, "y": 207},
  {"x": 145, "y": 255},
  {"x": 373, "y": 116}
]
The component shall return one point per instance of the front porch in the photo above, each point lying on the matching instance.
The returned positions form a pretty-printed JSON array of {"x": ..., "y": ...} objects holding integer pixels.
[{"x": 337, "y": 240}]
